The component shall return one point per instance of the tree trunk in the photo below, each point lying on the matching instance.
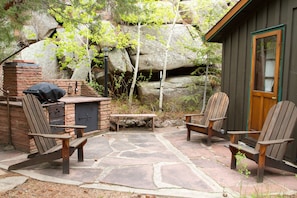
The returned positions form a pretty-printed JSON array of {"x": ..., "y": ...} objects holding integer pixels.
[
  {"x": 136, "y": 65},
  {"x": 163, "y": 78},
  {"x": 205, "y": 89}
]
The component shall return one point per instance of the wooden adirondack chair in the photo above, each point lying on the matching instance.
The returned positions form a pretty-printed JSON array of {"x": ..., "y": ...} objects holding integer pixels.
[
  {"x": 272, "y": 142},
  {"x": 211, "y": 120},
  {"x": 45, "y": 140}
]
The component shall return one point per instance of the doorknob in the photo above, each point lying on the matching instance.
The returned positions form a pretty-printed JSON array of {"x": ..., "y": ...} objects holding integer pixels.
[{"x": 273, "y": 98}]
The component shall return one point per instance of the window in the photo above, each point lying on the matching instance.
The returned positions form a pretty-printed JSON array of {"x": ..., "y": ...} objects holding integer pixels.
[{"x": 266, "y": 60}]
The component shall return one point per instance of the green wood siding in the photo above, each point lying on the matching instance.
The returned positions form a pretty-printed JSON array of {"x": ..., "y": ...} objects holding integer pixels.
[{"x": 237, "y": 59}]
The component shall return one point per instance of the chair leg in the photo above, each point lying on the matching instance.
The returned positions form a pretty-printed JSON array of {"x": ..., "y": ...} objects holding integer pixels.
[
  {"x": 260, "y": 174},
  {"x": 189, "y": 135},
  {"x": 209, "y": 134},
  {"x": 80, "y": 154},
  {"x": 208, "y": 141},
  {"x": 65, "y": 156},
  {"x": 261, "y": 164},
  {"x": 233, "y": 159}
]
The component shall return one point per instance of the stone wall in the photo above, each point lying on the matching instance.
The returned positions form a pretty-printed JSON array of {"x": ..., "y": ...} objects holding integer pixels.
[
  {"x": 18, "y": 128},
  {"x": 4, "y": 129},
  {"x": 104, "y": 112}
]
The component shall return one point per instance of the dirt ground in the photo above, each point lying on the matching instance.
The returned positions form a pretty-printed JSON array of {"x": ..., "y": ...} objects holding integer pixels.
[{"x": 34, "y": 188}]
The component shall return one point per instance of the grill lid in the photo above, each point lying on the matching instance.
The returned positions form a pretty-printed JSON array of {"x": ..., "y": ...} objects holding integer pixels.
[{"x": 46, "y": 92}]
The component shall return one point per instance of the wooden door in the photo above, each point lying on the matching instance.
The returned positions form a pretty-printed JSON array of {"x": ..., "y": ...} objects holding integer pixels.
[{"x": 265, "y": 75}]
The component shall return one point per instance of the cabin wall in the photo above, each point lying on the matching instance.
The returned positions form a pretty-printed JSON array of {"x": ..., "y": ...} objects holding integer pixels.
[
  {"x": 290, "y": 69},
  {"x": 290, "y": 59},
  {"x": 237, "y": 60}
]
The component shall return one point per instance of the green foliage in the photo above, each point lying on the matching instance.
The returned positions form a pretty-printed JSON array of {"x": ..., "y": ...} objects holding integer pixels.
[
  {"x": 13, "y": 15},
  {"x": 147, "y": 12},
  {"x": 80, "y": 30},
  {"x": 242, "y": 166},
  {"x": 113, "y": 37},
  {"x": 82, "y": 18},
  {"x": 201, "y": 70},
  {"x": 120, "y": 85},
  {"x": 211, "y": 12},
  {"x": 81, "y": 12},
  {"x": 194, "y": 102},
  {"x": 143, "y": 78},
  {"x": 207, "y": 53},
  {"x": 83, "y": 31},
  {"x": 208, "y": 13},
  {"x": 99, "y": 88},
  {"x": 214, "y": 74}
]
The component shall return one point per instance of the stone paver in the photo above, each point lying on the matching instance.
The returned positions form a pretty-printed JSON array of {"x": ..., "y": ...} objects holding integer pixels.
[
  {"x": 160, "y": 162},
  {"x": 9, "y": 183}
]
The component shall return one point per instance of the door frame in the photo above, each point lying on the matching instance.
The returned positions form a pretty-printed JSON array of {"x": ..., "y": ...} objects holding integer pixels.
[{"x": 254, "y": 34}]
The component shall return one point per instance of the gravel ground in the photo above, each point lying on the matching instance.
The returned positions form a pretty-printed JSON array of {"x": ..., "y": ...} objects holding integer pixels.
[{"x": 34, "y": 188}]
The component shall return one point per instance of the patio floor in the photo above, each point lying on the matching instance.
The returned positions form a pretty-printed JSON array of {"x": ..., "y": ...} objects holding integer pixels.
[{"x": 160, "y": 163}]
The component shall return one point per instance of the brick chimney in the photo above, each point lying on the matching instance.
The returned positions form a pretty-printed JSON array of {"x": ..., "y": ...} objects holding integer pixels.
[{"x": 19, "y": 76}]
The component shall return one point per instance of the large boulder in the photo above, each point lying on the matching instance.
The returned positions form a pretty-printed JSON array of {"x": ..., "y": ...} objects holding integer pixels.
[
  {"x": 188, "y": 11},
  {"x": 80, "y": 65},
  {"x": 164, "y": 12},
  {"x": 152, "y": 51},
  {"x": 43, "y": 54},
  {"x": 40, "y": 26},
  {"x": 81, "y": 70},
  {"x": 119, "y": 61},
  {"x": 179, "y": 92}
]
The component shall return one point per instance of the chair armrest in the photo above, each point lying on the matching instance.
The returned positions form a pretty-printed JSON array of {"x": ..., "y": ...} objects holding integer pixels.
[
  {"x": 217, "y": 119},
  {"x": 234, "y": 135},
  {"x": 194, "y": 114},
  {"x": 265, "y": 144},
  {"x": 197, "y": 125},
  {"x": 69, "y": 126},
  {"x": 212, "y": 120},
  {"x": 243, "y": 132},
  {"x": 79, "y": 132},
  {"x": 189, "y": 116},
  {"x": 53, "y": 136},
  {"x": 269, "y": 142}
]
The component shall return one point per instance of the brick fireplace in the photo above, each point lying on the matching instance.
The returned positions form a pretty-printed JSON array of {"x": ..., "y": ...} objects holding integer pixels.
[{"x": 80, "y": 98}]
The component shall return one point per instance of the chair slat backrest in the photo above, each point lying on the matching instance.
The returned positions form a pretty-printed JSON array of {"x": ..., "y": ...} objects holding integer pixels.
[
  {"x": 217, "y": 106},
  {"x": 38, "y": 123},
  {"x": 279, "y": 124}
]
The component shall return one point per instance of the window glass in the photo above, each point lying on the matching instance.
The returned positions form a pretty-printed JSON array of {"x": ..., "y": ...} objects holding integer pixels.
[{"x": 265, "y": 63}]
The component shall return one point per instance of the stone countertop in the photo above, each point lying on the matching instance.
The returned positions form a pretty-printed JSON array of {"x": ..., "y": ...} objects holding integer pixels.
[
  {"x": 67, "y": 100},
  {"x": 15, "y": 103},
  {"x": 82, "y": 99}
]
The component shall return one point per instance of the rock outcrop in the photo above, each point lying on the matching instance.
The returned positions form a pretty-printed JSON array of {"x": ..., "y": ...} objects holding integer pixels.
[
  {"x": 179, "y": 92},
  {"x": 180, "y": 62},
  {"x": 152, "y": 51}
]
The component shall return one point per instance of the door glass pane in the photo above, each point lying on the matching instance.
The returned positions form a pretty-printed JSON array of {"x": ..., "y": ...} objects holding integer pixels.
[{"x": 265, "y": 63}]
